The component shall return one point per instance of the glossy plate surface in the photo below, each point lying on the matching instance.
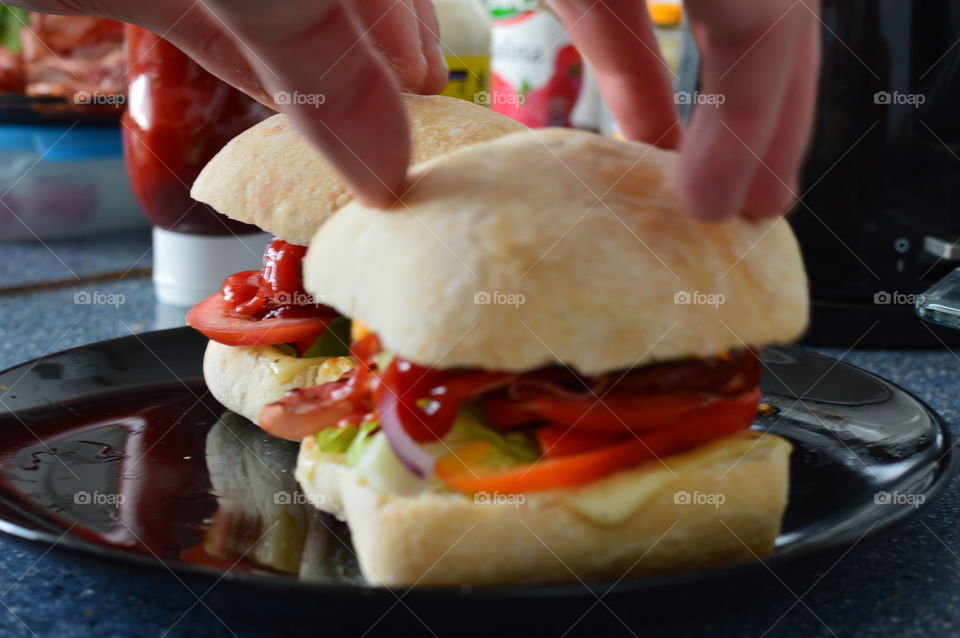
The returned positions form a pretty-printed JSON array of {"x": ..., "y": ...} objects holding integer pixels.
[{"x": 119, "y": 443}]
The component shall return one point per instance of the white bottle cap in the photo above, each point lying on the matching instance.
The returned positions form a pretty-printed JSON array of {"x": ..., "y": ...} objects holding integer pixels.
[{"x": 187, "y": 268}]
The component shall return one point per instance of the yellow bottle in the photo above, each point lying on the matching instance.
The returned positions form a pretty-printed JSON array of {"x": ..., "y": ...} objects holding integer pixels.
[
  {"x": 465, "y": 42},
  {"x": 667, "y": 20}
]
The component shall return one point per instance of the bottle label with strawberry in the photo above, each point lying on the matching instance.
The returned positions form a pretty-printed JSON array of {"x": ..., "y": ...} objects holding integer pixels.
[{"x": 536, "y": 73}]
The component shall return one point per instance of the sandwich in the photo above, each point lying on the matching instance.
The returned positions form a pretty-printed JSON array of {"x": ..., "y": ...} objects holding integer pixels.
[
  {"x": 267, "y": 334},
  {"x": 557, "y": 370}
]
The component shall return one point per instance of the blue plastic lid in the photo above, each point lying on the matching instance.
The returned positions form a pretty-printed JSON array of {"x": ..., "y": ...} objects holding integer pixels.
[{"x": 63, "y": 143}]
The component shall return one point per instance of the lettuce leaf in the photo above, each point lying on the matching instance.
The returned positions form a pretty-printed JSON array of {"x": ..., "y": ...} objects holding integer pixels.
[
  {"x": 349, "y": 440},
  {"x": 380, "y": 468},
  {"x": 509, "y": 448},
  {"x": 360, "y": 442},
  {"x": 336, "y": 440},
  {"x": 334, "y": 342}
]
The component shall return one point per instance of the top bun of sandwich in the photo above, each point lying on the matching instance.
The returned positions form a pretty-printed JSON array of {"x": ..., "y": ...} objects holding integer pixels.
[
  {"x": 272, "y": 177},
  {"x": 557, "y": 246}
]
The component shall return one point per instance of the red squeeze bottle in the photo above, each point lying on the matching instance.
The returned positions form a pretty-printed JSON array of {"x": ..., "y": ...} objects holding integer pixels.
[{"x": 178, "y": 117}]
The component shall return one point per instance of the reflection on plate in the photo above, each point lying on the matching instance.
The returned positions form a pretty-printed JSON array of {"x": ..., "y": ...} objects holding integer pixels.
[
  {"x": 261, "y": 514},
  {"x": 120, "y": 443}
]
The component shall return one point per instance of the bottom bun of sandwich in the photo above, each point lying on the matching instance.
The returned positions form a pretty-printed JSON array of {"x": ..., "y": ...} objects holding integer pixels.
[
  {"x": 717, "y": 504},
  {"x": 246, "y": 378}
]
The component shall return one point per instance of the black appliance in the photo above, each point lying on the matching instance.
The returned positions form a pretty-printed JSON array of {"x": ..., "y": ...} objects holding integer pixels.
[{"x": 879, "y": 214}]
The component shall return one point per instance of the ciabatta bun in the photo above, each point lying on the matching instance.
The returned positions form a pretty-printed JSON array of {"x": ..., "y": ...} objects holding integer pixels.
[
  {"x": 272, "y": 177},
  {"x": 443, "y": 538},
  {"x": 244, "y": 379},
  {"x": 557, "y": 246}
]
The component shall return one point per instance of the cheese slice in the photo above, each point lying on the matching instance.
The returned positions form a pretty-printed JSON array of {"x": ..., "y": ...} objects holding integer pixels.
[
  {"x": 285, "y": 367},
  {"x": 615, "y": 499}
]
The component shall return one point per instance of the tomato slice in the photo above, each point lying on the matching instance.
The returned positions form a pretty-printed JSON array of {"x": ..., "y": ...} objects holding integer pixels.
[
  {"x": 264, "y": 307},
  {"x": 618, "y": 412},
  {"x": 464, "y": 469},
  {"x": 637, "y": 401},
  {"x": 561, "y": 440},
  {"x": 216, "y": 318}
]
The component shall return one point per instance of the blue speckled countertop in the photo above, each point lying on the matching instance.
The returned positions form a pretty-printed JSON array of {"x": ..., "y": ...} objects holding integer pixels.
[{"x": 903, "y": 584}]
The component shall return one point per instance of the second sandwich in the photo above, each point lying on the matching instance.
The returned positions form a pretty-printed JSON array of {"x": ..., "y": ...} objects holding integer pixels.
[{"x": 267, "y": 334}]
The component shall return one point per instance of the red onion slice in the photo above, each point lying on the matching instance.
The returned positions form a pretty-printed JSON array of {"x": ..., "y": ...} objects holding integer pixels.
[{"x": 410, "y": 453}]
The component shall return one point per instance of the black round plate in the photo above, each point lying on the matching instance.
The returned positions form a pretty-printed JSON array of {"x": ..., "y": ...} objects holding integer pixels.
[{"x": 119, "y": 443}]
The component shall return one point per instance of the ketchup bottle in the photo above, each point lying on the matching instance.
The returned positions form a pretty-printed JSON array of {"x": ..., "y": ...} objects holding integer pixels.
[{"x": 178, "y": 117}]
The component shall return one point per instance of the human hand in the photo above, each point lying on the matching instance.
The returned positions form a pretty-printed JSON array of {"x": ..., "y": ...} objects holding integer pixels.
[
  {"x": 357, "y": 54},
  {"x": 743, "y": 155}
]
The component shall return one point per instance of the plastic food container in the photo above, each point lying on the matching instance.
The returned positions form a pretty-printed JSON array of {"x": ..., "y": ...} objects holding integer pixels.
[{"x": 63, "y": 180}]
